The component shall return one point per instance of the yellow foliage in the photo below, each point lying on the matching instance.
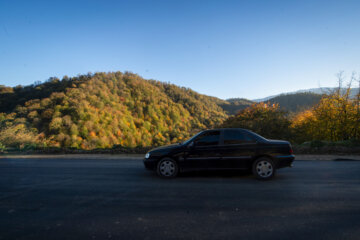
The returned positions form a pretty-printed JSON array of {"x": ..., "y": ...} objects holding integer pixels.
[{"x": 118, "y": 133}]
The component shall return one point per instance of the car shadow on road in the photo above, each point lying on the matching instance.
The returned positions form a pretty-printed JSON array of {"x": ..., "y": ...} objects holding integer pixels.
[
  {"x": 204, "y": 174},
  {"x": 345, "y": 160},
  {"x": 216, "y": 174}
]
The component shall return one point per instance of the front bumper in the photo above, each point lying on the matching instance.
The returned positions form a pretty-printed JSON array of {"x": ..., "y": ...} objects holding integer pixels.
[{"x": 149, "y": 163}]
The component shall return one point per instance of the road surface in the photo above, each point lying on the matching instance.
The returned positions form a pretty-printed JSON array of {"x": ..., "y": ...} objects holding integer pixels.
[{"x": 82, "y": 198}]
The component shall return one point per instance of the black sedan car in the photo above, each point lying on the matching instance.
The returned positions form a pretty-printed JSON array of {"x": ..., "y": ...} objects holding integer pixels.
[{"x": 232, "y": 148}]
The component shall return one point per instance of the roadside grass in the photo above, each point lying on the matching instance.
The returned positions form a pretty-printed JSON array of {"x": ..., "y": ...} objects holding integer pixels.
[
  {"x": 33, "y": 149},
  {"x": 327, "y": 147}
]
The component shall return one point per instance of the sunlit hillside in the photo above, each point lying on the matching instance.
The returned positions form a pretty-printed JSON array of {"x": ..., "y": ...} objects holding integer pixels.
[{"x": 104, "y": 109}]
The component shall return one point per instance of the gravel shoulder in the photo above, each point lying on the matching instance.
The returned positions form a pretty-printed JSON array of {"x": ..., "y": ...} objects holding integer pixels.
[
  {"x": 328, "y": 157},
  {"x": 74, "y": 156}
]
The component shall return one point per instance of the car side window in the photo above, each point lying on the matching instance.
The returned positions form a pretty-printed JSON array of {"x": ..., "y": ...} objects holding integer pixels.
[
  {"x": 236, "y": 137},
  {"x": 208, "y": 139}
]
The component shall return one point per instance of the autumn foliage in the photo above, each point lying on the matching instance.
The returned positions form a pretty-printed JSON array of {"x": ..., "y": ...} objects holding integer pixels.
[
  {"x": 104, "y": 110},
  {"x": 335, "y": 118}
]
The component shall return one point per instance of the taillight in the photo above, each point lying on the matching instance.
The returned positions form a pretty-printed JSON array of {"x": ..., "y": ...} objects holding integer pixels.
[{"x": 291, "y": 150}]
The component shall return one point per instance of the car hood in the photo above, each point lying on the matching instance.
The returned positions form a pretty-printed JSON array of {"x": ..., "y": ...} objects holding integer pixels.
[{"x": 166, "y": 148}]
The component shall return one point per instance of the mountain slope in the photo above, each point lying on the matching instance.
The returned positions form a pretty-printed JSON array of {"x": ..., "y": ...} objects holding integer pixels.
[
  {"x": 233, "y": 105},
  {"x": 103, "y": 110},
  {"x": 292, "y": 103},
  {"x": 296, "y": 102}
]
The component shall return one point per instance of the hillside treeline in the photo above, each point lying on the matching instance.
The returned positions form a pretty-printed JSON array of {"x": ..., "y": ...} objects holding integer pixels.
[
  {"x": 106, "y": 110},
  {"x": 335, "y": 118},
  {"x": 102, "y": 110}
]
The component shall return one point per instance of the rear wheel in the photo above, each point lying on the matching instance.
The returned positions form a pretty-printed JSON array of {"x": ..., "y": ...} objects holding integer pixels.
[
  {"x": 167, "y": 168},
  {"x": 263, "y": 168}
]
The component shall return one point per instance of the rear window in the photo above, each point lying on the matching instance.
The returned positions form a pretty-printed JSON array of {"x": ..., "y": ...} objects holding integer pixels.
[{"x": 236, "y": 137}]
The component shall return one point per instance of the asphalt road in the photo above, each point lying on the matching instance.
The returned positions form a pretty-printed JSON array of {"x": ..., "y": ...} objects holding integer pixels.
[{"x": 119, "y": 199}]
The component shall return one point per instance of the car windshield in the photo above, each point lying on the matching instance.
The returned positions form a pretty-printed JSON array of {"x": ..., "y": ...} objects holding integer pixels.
[{"x": 192, "y": 138}]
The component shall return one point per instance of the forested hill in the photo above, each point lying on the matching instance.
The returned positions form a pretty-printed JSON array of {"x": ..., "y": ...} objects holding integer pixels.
[
  {"x": 234, "y": 105},
  {"x": 105, "y": 109},
  {"x": 102, "y": 110},
  {"x": 293, "y": 103},
  {"x": 296, "y": 102}
]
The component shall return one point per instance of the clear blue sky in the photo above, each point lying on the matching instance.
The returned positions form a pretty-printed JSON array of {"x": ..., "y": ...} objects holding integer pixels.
[{"x": 248, "y": 49}]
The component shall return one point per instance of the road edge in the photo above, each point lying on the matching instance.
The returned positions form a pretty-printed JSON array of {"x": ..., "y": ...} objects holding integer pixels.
[{"x": 300, "y": 157}]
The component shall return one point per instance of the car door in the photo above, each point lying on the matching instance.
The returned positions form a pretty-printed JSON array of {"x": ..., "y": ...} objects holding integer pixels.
[
  {"x": 203, "y": 152},
  {"x": 237, "y": 149}
]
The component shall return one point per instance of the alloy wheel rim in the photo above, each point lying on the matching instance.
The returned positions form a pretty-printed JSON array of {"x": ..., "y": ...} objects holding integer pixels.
[
  {"x": 264, "y": 169},
  {"x": 167, "y": 168}
]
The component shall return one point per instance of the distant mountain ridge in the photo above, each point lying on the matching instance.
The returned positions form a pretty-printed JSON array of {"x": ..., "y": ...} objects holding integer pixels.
[
  {"x": 291, "y": 102},
  {"x": 320, "y": 91},
  {"x": 296, "y": 102},
  {"x": 234, "y": 105}
]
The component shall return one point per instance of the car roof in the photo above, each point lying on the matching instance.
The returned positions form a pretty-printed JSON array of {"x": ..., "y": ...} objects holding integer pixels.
[{"x": 220, "y": 129}]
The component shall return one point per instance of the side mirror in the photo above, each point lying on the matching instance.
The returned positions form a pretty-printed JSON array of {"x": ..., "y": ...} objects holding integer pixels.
[{"x": 192, "y": 144}]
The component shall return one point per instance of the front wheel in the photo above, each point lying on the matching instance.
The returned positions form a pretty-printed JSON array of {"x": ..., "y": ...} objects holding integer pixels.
[
  {"x": 263, "y": 168},
  {"x": 167, "y": 168}
]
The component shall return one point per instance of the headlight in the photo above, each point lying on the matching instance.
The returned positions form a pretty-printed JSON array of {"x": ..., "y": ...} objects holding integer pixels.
[{"x": 147, "y": 155}]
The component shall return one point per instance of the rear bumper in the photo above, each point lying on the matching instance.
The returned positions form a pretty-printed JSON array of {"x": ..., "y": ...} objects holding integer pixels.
[{"x": 285, "y": 161}]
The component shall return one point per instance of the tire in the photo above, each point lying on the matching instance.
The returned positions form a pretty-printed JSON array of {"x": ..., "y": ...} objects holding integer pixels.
[
  {"x": 263, "y": 168},
  {"x": 167, "y": 168}
]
